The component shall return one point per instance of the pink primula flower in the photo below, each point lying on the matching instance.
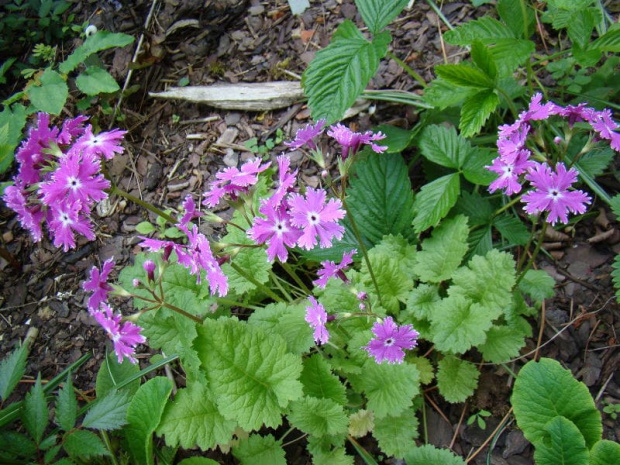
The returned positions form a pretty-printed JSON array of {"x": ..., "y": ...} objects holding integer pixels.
[
  {"x": 106, "y": 144},
  {"x": 352, "y": 141},
  {"x": 125, "y": 336},
  {"x": 306, "y": 135},
  {"x": 391, "y": 341},
  {"x": 64, "y": 220},
  {"x": 329, "y": 269},
  {"x": 98, "y": 285},
  {"x": 317, "y": 317},
  {"x": 233, "y": 181},
  {"x": 276, "y": 230}
]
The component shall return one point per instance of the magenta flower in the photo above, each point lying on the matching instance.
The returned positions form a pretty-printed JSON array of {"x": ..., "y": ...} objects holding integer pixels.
[
  {"x": 29, "y": 216},
  {"x": 276, "y": 230},
  {"x": 32, "y": 155},
  {"x": 577, "y": 113},
  {"x": 329, "y": 269},
  {"x": 233, "y": 181},
  {"x": 286, "y": 181},
  {"x": 98, "y": 285},
  {"x": 316, "y": 218},
  {"x": 64, "y": 220},
  {"x": 605, "y": 126},
  {"x": 537, "y": 111},
  {"x": 306, "y": 135},
  {"x": 190, "y": 211},
  {"x": 106, "y": 144},
  {"x": 71, "y": 129},
  {"x": 317, "y": 317},
  {"x": 125, "y": 336},
  {"x": 551, "y": 193},
  {"x": 391, "y": 341},
  {"x": 149, "y": 266},
  {"x": 352, "y": 141},
  {"x": 509, "y": 173}
]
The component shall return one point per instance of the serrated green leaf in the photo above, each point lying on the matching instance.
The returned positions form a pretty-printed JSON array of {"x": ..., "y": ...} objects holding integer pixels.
[
  {"x": 396, "y": 434},
  {"x": 427, "y": 373},
  {"x": 581, "y": 25},
  {"x": 476, "y": 110},
  {"x": 398, "y": 247},
  {"x": 608, "y": 42},
  {"x": 435, "y": 200},
  {"x": 510, "y": 53},
  {"x": 538, "y": 284},
  {"x": 422, "y": 300},
  {"x": 319, "y": 381},
  {"x": 198, "y": 461},
  {"x": 483, "y": 58},
  {"x": 101, "y": 40},
  {"x": 502, "y": 344},
  {"x": 83, "y": 444},
  {"x": 464, "y": 75},
  {"x": 512, "y": 229},
  {"x": 604, "y": 452},
  {"x": 12, "y": 369},
  {"x": 563, "y": 444},
  {"x": 336, "y": 297},
  {"x": 518, "y": 16},
  {"x": 474, "y": 168},
  {"x": 394, "y": 284},
  {"x": 378, "y": 13},
  {"x": 259, "y": 450},
  {"x": 111, "y": 374},
  {"x": 50, "y": 96},
  {"x": 35, "y": 415},
  {"x": 478, "y": 210},
  {"x": 485, "y": 28},
  {"x": 253, "y": 261},
  {"x": 428, "y": 454},
  {"x": 361, "y": 423},
  {"x": 385, "y": 398},
  {"x": 380, "y": 198},
  {"x": 544, "y": 390},
  {"x": 66, "y": 406},
  {"x": 12, "y": 121},
  {"x": 108, "y": 413},
  {"x": 480, "y": 241},
  {"x": 615, "y": 205},
  {"x": 396, "y": 139},
  {"x": 442, "y": 253},
  {"x": 14, "y": 445},
  {"x": 340, "y": 72},
  {"x": 442, "y": 94},
  {"x": 456, "y": 379},
  {"x": 143, "y": 417},
  {"x": 289, "y": 322},
  {"x": 442, "y": 145},
  {"x": 94, "y": 81},
  {"x": 318, "y": 417},
  {"x": 324, "y": 453},
  {"x": 250, "y": 372},
  {"x": 193, "y": 419},
  {"x": 52, "y": 452},
  {"x": 595, "y": 162}
]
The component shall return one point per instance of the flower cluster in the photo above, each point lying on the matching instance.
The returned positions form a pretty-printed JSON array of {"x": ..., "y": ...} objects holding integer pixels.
[
  {"x": 124, "y": 335},
  {"x": 59, "y": 179},
  {"x": 552, "y": 186},
  {"x": 233, "y": 181}
]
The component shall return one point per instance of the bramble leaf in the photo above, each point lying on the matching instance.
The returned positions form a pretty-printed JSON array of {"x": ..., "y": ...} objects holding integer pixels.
[
  {"x": 12, "y": 368},
  {"x": 517, "y": 16},
  {"x": 435, "y": 200},
  {"x": 35, "y": 415},
  {"x": 318, "y": 417},
  {"x": 108, "y": 413},
  {"x": 102, "y": 40},
  {"x": 512, "y": 229},
  {"x": 66, "y": 406},
  {"x": 378, "y": 13},
  {"x": 474, "y": 167},
  {"x": 94, "y": 81},
  {"x": 82, "y": 444},
  {"x": 608, "y": 42},
  {"x": 464, "y": 75},
  {"x": 476, "y": 110},
  {"x": 538, "y": 284},
  {"x": 442, "y": 145},
  {"x": 456, "y": 379},
  {"x": 259, "y": 450},
  {"x": 442, "y": 94},
  {"x": 396, "y": 434},
  {"x": 485, "y": 28},
  {"x": 510, "y": 53}
]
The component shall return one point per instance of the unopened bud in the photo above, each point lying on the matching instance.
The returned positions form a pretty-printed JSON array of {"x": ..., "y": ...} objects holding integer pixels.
[{"x": 149, "y": 266}]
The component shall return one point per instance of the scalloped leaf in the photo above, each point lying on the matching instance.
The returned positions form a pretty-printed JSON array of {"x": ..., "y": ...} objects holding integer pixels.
[
  {"x": 289, "y": 322},
  {"x": 476, "y": 110},
  {"x": 319, "y": 381},
  {"x": 66, "y": 406},
  {"x": 502, "y": 344},
  {"x": 428, "y": 454},
  {"x": 318, "y": 417},
  {"x": 361, "y": 423},
  {"x": 50, "y": 96},
  {"x": 456, "y": 379},
  {"x": 340, "y": 72},
  {"x": 251, "y": 372},
  {"x": 393, "y": 283},
  {"x": 259, "y": 450},
  {"x": 538, "y": 284},
  {"x": 605, "y": 452},
  {"x": 396, "y": 434},
  {"x": 435, "y": 200}
]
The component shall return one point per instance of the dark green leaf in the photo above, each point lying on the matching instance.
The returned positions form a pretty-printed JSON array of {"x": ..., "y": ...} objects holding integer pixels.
[
  {"x": 509, "y": 53},
  {"x": 476, "y": 110},
  {"x": 379, "y": 13},
  {"x": 84, "y": 444},
  {"x": 483, "y": 58},
  {"x": 435, "y": 200},
  {"x": 35, "y": 415},
  {"x": 485, "y": 28},
  {"x": 66, "y": 406},
  {"x": 518, "y": 16},
  {"x": 12, "y": 121},
  {"x": 608, "y": 42},
  {"x": 512, "y": 229},
  {"x": 111, "y": 374},
  {"x": 474, "y": 168},
  {"x": 580, "y": 27},
  {"x": 12, "y": 369},
  {"x": 397, "y": 139},
  {"x": 95, "y": 81},
  {"x": 478, "y": 209},
  {"x": 464, "y": 75},
  {"x": 14, "y": 445},
  {"x": 442, "y": 94},
  {"x": 596, "y": 161},
  {"x": 442, "y": 145},
  {"x": 108, "y": 413}
]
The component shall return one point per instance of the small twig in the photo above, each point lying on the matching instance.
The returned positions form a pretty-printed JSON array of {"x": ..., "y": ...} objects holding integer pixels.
[{"x": 458, "y": 426}]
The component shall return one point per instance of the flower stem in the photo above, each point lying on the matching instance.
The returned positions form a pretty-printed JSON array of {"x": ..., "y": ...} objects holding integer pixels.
[
  {"x": 250, "y": 278},
  {"x": 116, "y": 190},
  {"x": 534, "y": 254},
  {"x": 291, "y": 272},
  {"x": 408, "y": 69}
]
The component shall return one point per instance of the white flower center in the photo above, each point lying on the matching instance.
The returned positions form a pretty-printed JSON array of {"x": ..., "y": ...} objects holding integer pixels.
[{"x": 314, "y": 218}]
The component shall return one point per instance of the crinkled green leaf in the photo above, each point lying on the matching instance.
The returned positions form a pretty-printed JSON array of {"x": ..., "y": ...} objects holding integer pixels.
[
  {"x": 108, "y": 413},
  {"x": 544, "y": 390},
  {"x": 111, "y": 374},
  {"x": 387, "y": 398},
  {"x": 518, "y": 16},
  {"x": 319, "y": 381},
  {"x": 604, "y": 452},
  {"x": 427, "y": 373},
  {"x": 538, "y": 284},
  {"x": 35, "y": 415},
  {"x": 502, "y": 344},
  {"x": 428, "y": 454},
  {"x": 396, "y": 434},
  {"x": 457, "y": 324},
  {"x": 361, "y": 423},
  {"x": 464, "y": 75},
  {"x": 101, "y": 40},
  {"x": 12, "y": 121},
  {"x": 484, "y": 28},
  {"x": 581, "y": 26},
  {"x": 12, "y": 368},
  {"x": 442, "y": 145},
  {"x": 562, "y": 443},
  {"x": 323, "y": 452},
  {"x": 399, "y": 248},
  {"x": 422, "y": 301},
  {"x": 435, "y": 200},
  {"x": 259, "y": 450},
  {"x": 253, "y": 261},
  {"x": 50, "y": 96},
  {"x": 82, "y": 444},
  {"x": 340, "y": 72},
  {"x": 66, "y": 406},
  {"x": 456, "y": 379},
  {"x": 442, "y": 253},
  {"x": 512, "y": 229},
  {"x": 94, "y": 81},
  {"x": 318, "y": 417},
  {"x": 193, "y": 419},
  {"x": 289, "y": 322},
  {"x": 336, "y": 297},
  {"x": 476, "y": 110},
  {"x": 394, "y": 284},
  {"x": 379, "y": 13},
  {"x": 143, "y": 415},
  {"x": 380, "y": 198},
  {"x": 251, "y": 372}
]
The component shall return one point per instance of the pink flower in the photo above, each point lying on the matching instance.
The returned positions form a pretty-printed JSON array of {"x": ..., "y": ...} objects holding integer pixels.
[
  {"x": 329, "y": 269},
  {"x": 577, "y": 113},
  {"x": 352, "y": 141},
  {"x": 509, "y": 173},
  {"x": 286, "y": 181},
  {"x": 551, "y": 193},
  {"x": 71, "y": 128},
  {"x": 29, "y": 216},
  {"x": 315, "y": 217},
  {"x": 64, "y": 220},
  {"x": 98, "y": 285},
  {"x": 104, "y": 143},
  {"x": 125, "y": 336},
  {"x": 604, "y": 125},
  {"x": 537, "y": 112},
  {"x": 233, "y": 181},
  {"x": 190, "y": 211},
  {"x": 391, "y": 341},
  {"x": 32, "y": 155},
  {"x": 306, "y": 135},
  {"x": 317, "y": 317},
  {"x": 275, "y": 229}
]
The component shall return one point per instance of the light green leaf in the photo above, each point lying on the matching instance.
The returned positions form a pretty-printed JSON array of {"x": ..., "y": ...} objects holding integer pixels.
[
  {"x": 50, "y": 96},
  {"x": 111, "y": 374},
  {"x": 318, "y": 417},
  {"x": 399, "y": 249},
  {"x": 456, "y": 379},
  {"x": 544, "y": 390},
  {"x": 289, "y": 322},
  {"x": 66, "y": 406},
  {"x": 94, "y": 81},
  {"x": 380, "y": 198},
  {"x": 435, "y": 200},
  {"x": 502, "y": 344},
  {"x": 361, "y": 423},
  {"x": 581, "y": 25},
  {"x": 337, "y": 297},
  {"x": 35, "y": 415},
  {"x": 391, "y": 398},
  {"x": 562, "y": 443},
  {"x": 259, "y": 450},
  {"x": 108, "y": 413},
  {"x": 253, "y": 261},
  {"x": 102, "y": 40},
  {"x": 12, "y": 121},
  {"x": 12, "y": 369},
  {"x": 427, "y": 373},
  {"x": 604, "y": 452},
  {"x": 250, "y": 372},
  {"x": 393, "y": 283},
  {"x": 198, "y": 461},
  {"x": 485, "y": 28},
  {"x": 428, "y": 454},
  {"x": 518, "y": 16},
  {"x": 82, "y": 444},
  {"x": 538, "y": 284},
  {"x": 442, "y": 94},
  {"x": 143, "y": 415},
  {"x": 442, "y": 145},
  {"x": 340, "y": 72},
  {"x": 608, "y": 42},
  {"x": 324, "y": 453},
  {"x": 476, "y": 110},
  {"x": 379, "y": 13},
  {"x": 595, "y": 162},
  {"x": 192, "y": 419},
  {"x": 319, "y": 381},
  {"x": 396, "y": 434},
  {"x": 442, "y": 253},
  {"x": 464, "y": 75}
]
